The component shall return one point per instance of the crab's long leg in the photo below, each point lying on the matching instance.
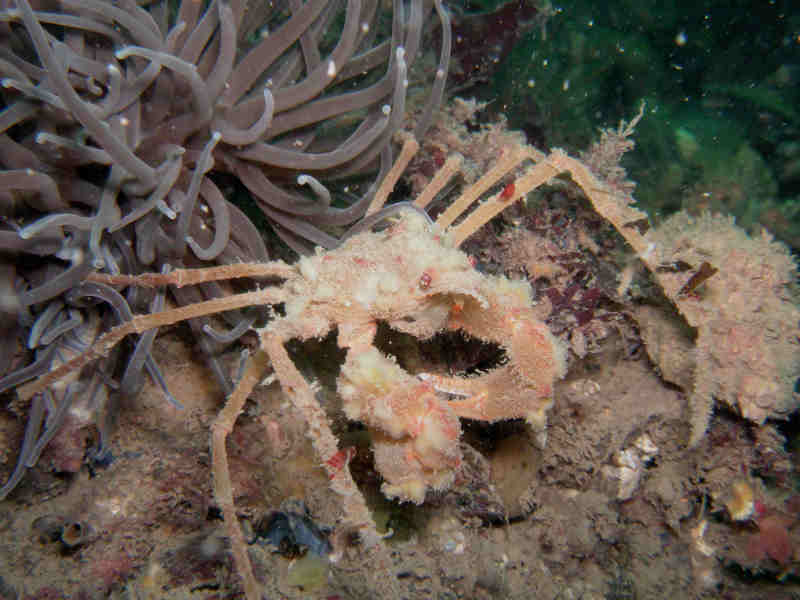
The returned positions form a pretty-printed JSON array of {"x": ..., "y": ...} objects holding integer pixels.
[
  {"x": 532, "y": 178},
  {"x": 509, "y": 159},
  {"x": 616, "y": 210},
  {"x": 223, "y": 490},
  {"x": 356, "y": 512},
  {"x": 182, "y": 277},
  {"x": 322, "y": 438},
  {"x": 442, "y": 177},
  {"x": 142, "y": 323},
  {"x": 407, "y": 152}
]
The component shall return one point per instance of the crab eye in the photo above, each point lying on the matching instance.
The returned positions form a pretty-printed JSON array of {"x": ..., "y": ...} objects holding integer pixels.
[{"x": 425, "y": 281}]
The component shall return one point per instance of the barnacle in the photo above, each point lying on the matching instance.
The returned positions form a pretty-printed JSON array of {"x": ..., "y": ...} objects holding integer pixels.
[{"x": 741, "y": 503}]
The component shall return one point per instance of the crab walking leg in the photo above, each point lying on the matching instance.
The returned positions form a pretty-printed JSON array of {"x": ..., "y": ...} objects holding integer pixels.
[
  {"x": 143, "y": 323},
  {"x": 608, "y": 204},
  {"x": 322, "y": 438},
  {"x": 532, "y": 178},
  {"x": 508, "y": 160},
  {"x": 182, "y": 277},
  {"x": 223, "y": 490},
  {"x": 407, "y": 152}
]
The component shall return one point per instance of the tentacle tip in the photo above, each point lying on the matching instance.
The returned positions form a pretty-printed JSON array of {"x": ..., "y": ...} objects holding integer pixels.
[
  {"x": 193, "y": 244},
  {"x": 166, "y": 210},
  {"x": 174, "y": 401}
]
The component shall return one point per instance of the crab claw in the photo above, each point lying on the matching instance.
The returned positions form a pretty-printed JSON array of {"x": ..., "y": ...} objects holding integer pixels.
[
  {"x": 379, "y": 393},
  {"x": 523, "y": 387},
  {"x": 407, "y": 473},
  {"x": 415, "y": 431},
  {"x": 376, "y": 391}
]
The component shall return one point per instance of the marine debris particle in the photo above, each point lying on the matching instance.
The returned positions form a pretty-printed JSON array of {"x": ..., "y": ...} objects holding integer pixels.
[
  {"x": 704, "y": 272},
  {"x": 292, "y": 531}
]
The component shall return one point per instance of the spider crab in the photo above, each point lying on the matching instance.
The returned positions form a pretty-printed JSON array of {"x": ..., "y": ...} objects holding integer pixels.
[{"x": 412, "y": 276}]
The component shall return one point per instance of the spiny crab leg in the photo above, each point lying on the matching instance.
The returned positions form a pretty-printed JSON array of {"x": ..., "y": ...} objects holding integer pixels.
[
  {"x": 322, "y": 438},
  {"x": 356, "y": 513},
  {"x": 223, "y": 489},
  {"x": 142, "y": 323},
  {"x": 182, "y": 277}
]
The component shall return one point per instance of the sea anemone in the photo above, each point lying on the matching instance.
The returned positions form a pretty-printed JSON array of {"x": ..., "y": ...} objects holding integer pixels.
[{"x": 124, "y": 127}]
